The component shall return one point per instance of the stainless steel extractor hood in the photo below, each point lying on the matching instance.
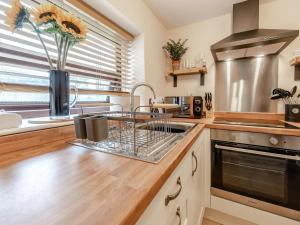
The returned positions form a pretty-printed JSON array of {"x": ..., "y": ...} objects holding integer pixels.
[{"x": 247, "y": 39}]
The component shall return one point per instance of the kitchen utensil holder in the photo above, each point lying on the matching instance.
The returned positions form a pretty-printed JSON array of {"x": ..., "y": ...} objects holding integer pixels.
[
  {"x": 80, "y": 126},
  {"x": 292, "y": 112},
  {"x": 96, "y": 128}
]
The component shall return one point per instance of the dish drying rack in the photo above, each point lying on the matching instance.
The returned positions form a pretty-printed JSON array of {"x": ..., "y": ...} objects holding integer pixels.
[{"x": 140, "y": 135}]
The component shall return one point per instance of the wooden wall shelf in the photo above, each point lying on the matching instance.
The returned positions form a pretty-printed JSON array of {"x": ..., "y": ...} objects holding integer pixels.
[
  {"x": 296, "y": 63},
  {"x": 191, "y": 71}
]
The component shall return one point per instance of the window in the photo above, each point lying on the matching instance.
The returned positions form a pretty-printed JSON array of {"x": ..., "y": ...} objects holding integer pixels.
[{"x": 99, "y": 66}]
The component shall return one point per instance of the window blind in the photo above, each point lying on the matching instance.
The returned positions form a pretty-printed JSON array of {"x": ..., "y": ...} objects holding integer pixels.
[{"x": 101, "y": 65}]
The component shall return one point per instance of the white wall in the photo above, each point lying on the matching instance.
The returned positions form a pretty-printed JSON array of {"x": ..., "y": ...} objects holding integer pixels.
[
  {"x": 283, "y": 14},
  {"x": 278, "y": 14},
  {"x": 150, "y": 39},
  {"x": 151, "y": 35},
  {"x": 200, "y": 37}
]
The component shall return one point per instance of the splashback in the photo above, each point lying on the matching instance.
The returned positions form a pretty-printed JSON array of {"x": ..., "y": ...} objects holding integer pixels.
[{"x": 246, "y": 85}]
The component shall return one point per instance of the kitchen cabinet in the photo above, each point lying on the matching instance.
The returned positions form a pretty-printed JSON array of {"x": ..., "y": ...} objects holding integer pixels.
[
  {"x": 179, "y": 214},
  {"x": 196, "y": 191},
  {"x": 185, "y": 188}
]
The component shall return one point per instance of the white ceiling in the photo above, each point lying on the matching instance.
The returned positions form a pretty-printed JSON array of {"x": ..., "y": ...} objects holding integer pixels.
[{"x": 174, "y": 13}]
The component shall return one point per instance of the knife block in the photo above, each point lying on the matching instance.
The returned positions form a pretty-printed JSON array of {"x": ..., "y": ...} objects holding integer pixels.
[{"x": 292, "y": 113}]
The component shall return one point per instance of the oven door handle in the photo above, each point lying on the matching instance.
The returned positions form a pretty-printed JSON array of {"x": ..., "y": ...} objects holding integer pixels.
[{"x": 243, "y": 150}]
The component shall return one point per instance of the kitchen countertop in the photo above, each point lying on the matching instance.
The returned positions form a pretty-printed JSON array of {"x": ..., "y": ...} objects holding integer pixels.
[
  {"x": 26, "y": 126},
  {"x": 266, "y": 130},
  {"x": 62, "y": 184}
]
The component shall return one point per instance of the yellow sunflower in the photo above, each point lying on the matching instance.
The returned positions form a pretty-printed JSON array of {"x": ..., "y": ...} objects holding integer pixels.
[
  {"x": 46, "y": 13},
  {"x": 72, "y": 25},
  {"x": 16, "y": 15}
]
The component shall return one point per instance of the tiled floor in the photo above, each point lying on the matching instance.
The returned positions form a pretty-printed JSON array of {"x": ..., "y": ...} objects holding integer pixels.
[{"x": 209, "y": 222}]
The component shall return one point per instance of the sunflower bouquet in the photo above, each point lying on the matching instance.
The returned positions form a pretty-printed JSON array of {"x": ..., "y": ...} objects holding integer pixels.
[{"x": 67, "y": 29}]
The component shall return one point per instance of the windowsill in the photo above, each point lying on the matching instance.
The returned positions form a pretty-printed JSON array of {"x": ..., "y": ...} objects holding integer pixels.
[{"x": 27, "y": 127}]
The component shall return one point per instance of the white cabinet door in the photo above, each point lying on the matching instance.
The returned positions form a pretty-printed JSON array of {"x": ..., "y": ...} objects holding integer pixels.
[
  {"x": 158, "y": 212},
  {"x": 179, "y": 215},
  {"x": 196, "y": 181},
  {"x": 187, "y": 207},
  {"x": 205, "y": 161}
]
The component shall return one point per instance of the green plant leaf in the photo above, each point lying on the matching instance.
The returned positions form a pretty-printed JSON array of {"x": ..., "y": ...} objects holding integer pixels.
[
  {"x": 51, "y": 30},
  {"x": 175, "y": 50}
]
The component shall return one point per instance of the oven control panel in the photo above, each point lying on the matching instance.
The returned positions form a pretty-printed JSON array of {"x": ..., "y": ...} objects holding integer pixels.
[
  {"x": 260, "y": 139},
  {"x": 273, "y": 141}
]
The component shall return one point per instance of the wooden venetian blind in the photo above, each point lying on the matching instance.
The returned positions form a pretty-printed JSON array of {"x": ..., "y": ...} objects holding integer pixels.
[{"x": 99, "y": 65}]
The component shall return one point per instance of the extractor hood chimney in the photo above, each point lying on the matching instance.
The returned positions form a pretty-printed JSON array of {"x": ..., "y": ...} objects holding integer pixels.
[{"x": 247, "y": 39}]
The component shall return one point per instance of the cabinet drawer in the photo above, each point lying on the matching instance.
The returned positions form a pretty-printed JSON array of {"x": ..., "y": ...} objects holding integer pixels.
[
  {"x": 158, "y": 212},
  {"x": 179, "y": 214},
  {"x": 183, "y": 173}
]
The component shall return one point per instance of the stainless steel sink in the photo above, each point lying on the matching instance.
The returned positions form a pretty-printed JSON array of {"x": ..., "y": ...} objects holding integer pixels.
[
  {"x": 173, "y": 127},
  {"x": 153, "y": 154}
]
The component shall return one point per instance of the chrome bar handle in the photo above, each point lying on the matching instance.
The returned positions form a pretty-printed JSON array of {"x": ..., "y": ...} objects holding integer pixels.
[
  {"x": 175, "y": 195},
  {"x": 243, "y": 150},
  {"x": 178, "y": 213},
  {"x": 196, "y": 160}
]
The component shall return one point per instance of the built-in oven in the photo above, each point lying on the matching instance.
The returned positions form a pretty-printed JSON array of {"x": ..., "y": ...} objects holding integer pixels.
[{"x": 259, "y": 170}]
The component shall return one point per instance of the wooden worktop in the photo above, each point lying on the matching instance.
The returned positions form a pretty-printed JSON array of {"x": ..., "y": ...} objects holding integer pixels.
[
  {"x": 272, "y": 118},
  {"x": 61, "y": 184},
  {"x": 268, "y": 130}
]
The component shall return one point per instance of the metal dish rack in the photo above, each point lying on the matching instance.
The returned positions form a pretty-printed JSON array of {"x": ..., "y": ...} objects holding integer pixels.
[{"x": 144, "y": 136}]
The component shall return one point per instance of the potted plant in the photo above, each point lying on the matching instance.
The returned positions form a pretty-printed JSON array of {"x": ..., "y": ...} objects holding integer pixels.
[
  {"x": 67, "y": 30},
  {"x": 175, "y": 51}
]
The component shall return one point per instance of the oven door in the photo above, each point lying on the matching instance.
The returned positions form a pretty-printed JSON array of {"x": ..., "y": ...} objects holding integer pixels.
[{"x": 260, "y": 173}]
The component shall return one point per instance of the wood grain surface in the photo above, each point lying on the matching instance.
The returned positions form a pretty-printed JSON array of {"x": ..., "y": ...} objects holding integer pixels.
[
  {"x": 267, "y": 130},
  {"x": 20, "y": 141},
  {"x": 61, "y": 184},
  {"x": 249, "y": 115},
  {"x": 44, "y": 181}
]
